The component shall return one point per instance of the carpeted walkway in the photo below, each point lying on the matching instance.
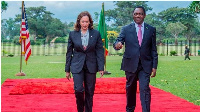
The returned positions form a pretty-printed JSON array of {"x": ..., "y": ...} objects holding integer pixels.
[
  {"x": 18, "y": 96},
  {"x": 63, "y": 86}
]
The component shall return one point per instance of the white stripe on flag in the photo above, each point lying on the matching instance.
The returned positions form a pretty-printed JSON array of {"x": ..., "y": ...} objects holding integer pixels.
[
  {"x": 23, "y": 26},
  {"x": 27, "y": 51},
  {"x": 23, "y": 32}
]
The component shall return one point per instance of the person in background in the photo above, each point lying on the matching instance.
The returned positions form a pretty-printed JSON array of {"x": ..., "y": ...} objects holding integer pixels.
[
  {"x": 84, "y": 58},
  {"x": 187, "y": 52},
  {"x": 140, "y": 58}
]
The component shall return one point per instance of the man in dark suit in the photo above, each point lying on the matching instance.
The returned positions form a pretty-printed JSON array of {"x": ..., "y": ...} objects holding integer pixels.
[
  {"x": 84, "y": 58},
  {"x": 139, "y": 60}
]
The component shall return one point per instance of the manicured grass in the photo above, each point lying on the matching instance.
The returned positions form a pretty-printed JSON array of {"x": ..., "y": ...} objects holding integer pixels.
[
  {"x": 174, "y": 74},
  {"x": 179, "y": 77}
]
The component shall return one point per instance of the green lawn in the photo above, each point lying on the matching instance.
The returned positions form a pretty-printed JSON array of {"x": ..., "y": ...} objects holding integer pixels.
[{"x": 174, "y": 75}]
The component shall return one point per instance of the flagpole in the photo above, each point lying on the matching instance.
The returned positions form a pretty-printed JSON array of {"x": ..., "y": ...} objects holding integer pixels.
[
  {"x": 105, "y": 72},
  {"x": 20, "y": 72},
  {"x": 104, "y": 28},
  {"x": 21, "y": 44}
]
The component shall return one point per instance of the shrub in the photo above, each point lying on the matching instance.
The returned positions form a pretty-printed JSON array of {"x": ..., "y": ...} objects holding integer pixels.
[
  {"x": 38, "y": 43},
  {"x": 120, "y": 54},
  {"x": 16, "y": 40},
  {"x": 61, "y": 40},
  {"x": 32, "y": 42},
  {"x": 5, "y": 52},
  {"x": 10, "y": 55},
  {"x": 161, "y": 54},
  {"x": 173, "y": 53}
]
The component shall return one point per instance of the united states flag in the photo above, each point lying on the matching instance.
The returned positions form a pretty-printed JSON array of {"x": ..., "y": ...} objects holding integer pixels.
[{"x": 24, "y": 36}]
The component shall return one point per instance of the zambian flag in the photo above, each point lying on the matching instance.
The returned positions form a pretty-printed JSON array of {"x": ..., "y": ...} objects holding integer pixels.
[{"x": 102, "y": 29}]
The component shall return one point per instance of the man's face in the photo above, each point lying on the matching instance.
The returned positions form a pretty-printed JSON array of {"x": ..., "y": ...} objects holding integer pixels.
[{"x": 138, "y": 15}]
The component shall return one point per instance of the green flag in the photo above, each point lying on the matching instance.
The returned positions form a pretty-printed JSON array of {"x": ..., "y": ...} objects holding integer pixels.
[{"x": 102, "y": 29}]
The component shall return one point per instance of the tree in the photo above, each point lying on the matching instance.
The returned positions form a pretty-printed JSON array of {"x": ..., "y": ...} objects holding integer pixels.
[
  {"x": 38, "y": 19},
  {"x": 13, "y": 28},
  {"x": 122, "y": 14},
  {"x": 96, "y": 17},
  {"x": 182, "y": 15},
  {"x": 175, "y": 29},
  {"x": 55, "y": 28},
  {"x": 4, "y": 6},
  {"x": 154, "y": 20},
  {"x": 3, "y": 29},
  {"x": 195, "y": 6},
  {"x": 9, "y": 28},
  {"x": 41, "y": 23},
  {"x": 194, "y": 32}
]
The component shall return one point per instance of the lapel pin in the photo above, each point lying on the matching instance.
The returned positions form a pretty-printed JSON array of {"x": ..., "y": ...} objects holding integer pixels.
[{"x": 91, "y": 36}]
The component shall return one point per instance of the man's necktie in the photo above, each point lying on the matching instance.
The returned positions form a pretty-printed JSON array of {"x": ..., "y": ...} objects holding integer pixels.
[
  {"x": 140, "y": 35},
  {"x": 84, "y": 47}
]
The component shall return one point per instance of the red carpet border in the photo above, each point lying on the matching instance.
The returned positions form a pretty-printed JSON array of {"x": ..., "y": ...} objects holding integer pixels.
[{"x": 42, "y": 102}]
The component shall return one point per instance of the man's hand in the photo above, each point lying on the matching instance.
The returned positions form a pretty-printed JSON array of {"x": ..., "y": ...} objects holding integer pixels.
[
  {"x": 101, "y": 73},
  {"x": 118, "y": 45},
  {"x": 68, "y": 75},
  {"x": 153, "y": 72}
]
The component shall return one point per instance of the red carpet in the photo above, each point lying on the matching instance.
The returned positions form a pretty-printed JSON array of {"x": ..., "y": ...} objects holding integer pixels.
[
  {"x": 41, "y": 102},
  {"x": 66, "y": 87}
]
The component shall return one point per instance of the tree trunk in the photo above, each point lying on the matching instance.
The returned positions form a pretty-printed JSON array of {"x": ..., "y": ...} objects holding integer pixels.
[
  {"x": 176, "y": 41},
  {"x": 35, "y": 37},
  {"x": 47, "y": 39}
]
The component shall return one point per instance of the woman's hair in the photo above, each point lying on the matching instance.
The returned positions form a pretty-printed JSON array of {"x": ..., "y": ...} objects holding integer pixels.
[{"x": 77, "y": 26}]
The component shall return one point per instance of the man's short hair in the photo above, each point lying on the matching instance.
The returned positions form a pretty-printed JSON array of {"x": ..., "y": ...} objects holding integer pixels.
[{"x": 141, "y": 8}]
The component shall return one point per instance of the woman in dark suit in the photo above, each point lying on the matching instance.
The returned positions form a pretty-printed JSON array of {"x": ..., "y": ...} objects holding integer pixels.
[{"x": 84, "y": 58}]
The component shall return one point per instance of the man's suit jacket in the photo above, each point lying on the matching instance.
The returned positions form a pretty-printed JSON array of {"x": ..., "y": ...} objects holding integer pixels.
[
  {"x": 147, "y": 53},
  {"x": 76, "y": 56}
]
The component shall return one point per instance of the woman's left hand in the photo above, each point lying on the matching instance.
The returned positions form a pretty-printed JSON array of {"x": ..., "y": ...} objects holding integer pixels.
[{"x": 101, "y": 73}]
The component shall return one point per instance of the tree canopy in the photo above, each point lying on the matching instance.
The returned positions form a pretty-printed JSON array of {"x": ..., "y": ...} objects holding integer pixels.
[
  {"x": 122, "y": 14},
  {"x": 4, "y": 6},
  {"x": 195, "y": 6},
  {"x": 182, "y": 15},
  {"x": 42, "y": 24},
  {"x": 175, "y": 29}
]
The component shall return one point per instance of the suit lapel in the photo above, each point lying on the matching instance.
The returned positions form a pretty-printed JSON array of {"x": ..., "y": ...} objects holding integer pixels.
[
  {"x": 146, "y": 30},
  {"x": 134, "y": 33},
  {"x": 78, "y": 38},
  {"x": 133, "y": 29}
]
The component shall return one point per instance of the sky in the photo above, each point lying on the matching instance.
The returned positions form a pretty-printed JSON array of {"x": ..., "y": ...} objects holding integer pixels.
[{"x": 67, "y": 11}]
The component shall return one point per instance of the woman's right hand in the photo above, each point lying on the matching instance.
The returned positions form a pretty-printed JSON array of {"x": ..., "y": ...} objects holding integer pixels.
[{"x": 68, "y": 75}]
